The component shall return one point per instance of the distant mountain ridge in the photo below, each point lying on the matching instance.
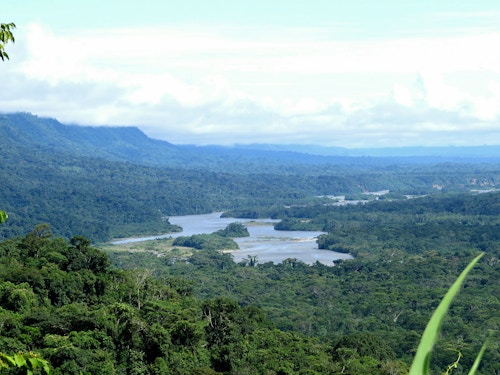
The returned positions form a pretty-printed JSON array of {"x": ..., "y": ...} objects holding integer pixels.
[
  {"x": 125, "y": 144},
  {"x": 485, "y": 151},
  {"x": 131, "y": 144},
  {"x": 114, "y": 143}
]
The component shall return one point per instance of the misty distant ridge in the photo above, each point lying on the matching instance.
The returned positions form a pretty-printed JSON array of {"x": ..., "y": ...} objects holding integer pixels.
[
  {"x": 132, "y": 144},
  {"x": 485, "y": 151}
]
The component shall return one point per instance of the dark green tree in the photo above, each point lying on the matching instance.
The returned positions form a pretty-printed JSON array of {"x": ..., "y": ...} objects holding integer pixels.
[{"x": 234, "y": 230}]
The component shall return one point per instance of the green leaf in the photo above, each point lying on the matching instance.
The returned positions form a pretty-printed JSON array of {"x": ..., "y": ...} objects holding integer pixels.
[
  {"x": 20, "y": 360},
  {"x": 3, "y": 216},
  {"x": 37, "y": 362},
  {"x": 478, "y": 359},
  {"x": 46, "y": 367},
  {"x": 34, "y": 362},
  {"x": 8, "y": 358},
  {"x": 420, "y": 365}
]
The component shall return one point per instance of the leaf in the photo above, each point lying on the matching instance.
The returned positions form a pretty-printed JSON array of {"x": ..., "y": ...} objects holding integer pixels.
[
  {"x": 20, "y": 360},
  {"x": 478, "y": 359},
  {"x": 34, "y": 362},
  {"x": 420, "y": 365},
  {"x": 3, "y": 216},
  {"x": 46, "y": 367},
  {"x": 8, "y": 358},
  {"x": 37, "y": 362}
]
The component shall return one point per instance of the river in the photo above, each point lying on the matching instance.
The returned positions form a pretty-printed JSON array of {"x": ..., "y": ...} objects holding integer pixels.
[{"x": 265, "y": 243}]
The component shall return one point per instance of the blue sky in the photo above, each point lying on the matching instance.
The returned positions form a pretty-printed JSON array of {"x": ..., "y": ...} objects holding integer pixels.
[{"x": 341, "y": 73}]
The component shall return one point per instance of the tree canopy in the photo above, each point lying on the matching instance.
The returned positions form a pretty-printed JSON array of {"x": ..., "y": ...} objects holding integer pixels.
[{"x": 6, "y": 36}]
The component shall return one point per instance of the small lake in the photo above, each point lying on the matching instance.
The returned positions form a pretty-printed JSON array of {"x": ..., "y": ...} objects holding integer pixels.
[{"x": 267, "y": 244}]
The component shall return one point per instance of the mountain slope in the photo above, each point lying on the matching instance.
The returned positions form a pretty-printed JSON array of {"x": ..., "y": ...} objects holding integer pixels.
[{"x": 112, "y": 143}]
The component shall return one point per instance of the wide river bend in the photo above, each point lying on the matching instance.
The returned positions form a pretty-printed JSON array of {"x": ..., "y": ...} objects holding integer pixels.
[{"x": 267, "y": 244}]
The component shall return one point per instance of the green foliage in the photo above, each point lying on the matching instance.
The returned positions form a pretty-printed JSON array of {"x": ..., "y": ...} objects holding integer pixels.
[
  {"x": 364, "y": 344},
  {"x": 6, "y": 36},
  {"x": 17, "y": 297},
  {"x": 61, "y": 300},
  {"x": 206, "y": 242},
  {"x": 234, "y": 230},
  {"x": 296, "y": 224},
  {"x": 88, "y": 319},
  {"x": 31, "y": 362},
  {"x": 421, "y": 362},
  {"x": 3, "y": 216},
  {"x": 333, "y": 242}
]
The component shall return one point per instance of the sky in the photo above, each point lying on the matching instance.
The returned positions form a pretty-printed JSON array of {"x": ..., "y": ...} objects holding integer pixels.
[{"x": 355, "y": 74}]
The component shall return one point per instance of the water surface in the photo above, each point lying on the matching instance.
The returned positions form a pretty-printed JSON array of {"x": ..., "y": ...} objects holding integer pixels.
[{"x": 265, "y": 243}]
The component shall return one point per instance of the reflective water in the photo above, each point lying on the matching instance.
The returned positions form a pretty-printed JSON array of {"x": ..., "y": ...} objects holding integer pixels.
[{"x": 267, "y": 244}]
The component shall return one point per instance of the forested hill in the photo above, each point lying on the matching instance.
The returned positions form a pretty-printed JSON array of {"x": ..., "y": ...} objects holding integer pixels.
[{"x": 112, "y": 143}]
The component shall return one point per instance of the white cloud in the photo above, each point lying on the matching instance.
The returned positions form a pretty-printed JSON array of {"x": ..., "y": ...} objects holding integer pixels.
[{"x": 192, "y": 85}]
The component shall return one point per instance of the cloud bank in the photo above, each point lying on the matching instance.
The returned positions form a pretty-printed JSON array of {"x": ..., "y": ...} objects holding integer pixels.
[{"x": 225, "y": 85}]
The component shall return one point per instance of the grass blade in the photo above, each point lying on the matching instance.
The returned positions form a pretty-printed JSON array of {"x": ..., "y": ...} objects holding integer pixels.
[
  {"x": 421, "y": 362},
  {"x": 478, "y": 359}
]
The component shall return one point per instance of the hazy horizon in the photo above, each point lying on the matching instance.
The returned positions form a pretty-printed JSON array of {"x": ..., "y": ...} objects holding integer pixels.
[{"x": 357, "y": 74}]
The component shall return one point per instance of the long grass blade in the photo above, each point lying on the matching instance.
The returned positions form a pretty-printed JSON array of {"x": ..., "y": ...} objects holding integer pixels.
[
  {"x": 478, "y": 359},
  {"x": 421, "y": 362}
]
